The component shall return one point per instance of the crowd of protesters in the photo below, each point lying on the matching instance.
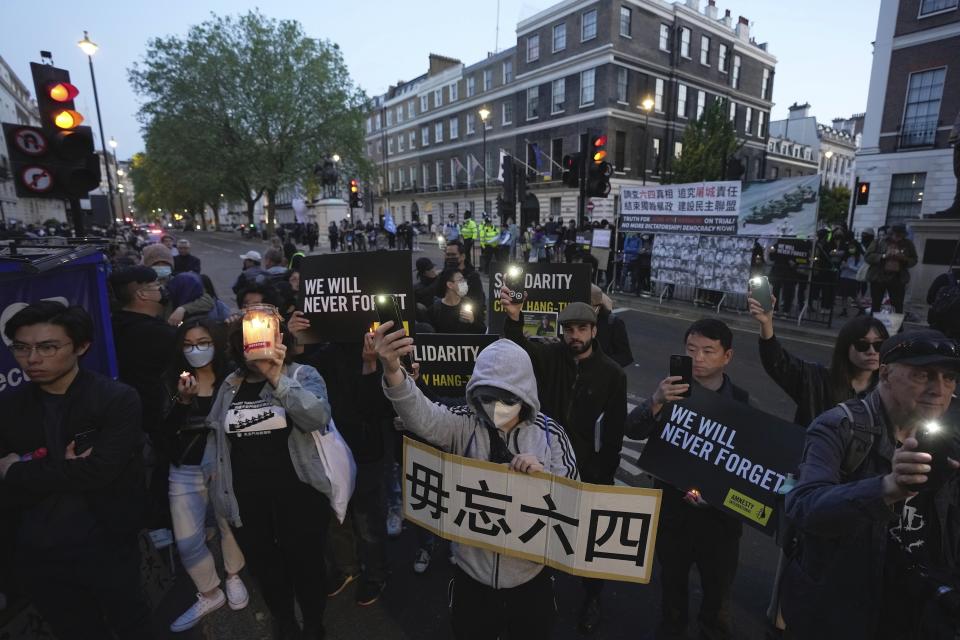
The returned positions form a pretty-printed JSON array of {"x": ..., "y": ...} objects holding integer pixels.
[{"x": 194, "y": 434}]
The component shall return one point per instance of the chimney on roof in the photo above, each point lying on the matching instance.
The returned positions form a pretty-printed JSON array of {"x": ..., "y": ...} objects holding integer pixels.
[
  {"x": 798, "y": 111},
  {"x": 727, "y": 19},
  {"x": 694, "y": 4},
  {"x": 711, "y": 9},
  {"x": 743, "y": 29}
]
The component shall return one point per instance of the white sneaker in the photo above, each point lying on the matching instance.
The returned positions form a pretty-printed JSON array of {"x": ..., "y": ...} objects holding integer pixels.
[
  {"x": 421, "y": 562},
  {"x": 196, "y": 613},
  {"x": 394, "y": 523},
  {"x": 237, "y": 595}
]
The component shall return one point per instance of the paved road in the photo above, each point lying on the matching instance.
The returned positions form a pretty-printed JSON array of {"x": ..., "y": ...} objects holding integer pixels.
[{"x": 414, "y": 607}]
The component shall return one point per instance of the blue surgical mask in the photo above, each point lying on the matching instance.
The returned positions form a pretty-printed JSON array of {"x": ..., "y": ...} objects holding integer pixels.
[{"x": 163, "y": 272}]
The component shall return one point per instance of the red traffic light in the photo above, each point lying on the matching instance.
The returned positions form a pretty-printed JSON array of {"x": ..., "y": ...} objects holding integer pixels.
[
  {"x": 354, "y": 186},
  {"x": 62, "y": 92},
  {"x": 600, "y": 140}
]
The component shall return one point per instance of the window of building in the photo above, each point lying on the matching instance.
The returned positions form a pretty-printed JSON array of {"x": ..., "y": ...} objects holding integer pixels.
[
  {"x": 453, "y": 181},
  {"x": 413, "y": 176},
  {"x": 437, "y": 98},
  {"x": 412, "y": 138},
  {"x": 424, "y": 175},
  {"x": 400, "y": 146},
  {"x": 555, "y": 207},
  {"x": 424, "y": 103},
  {"x": 487, "y": 79},
  {"x": 454, "y": 92},
  {"x": 736, "y": 72},
  {"x": 748, "y": 122},
  {"x": 454, "y": 127},
  {"x": 471, "y": 123},
  {"x": 722, "y": 58},
  {"x": 684, "y": 42},
  {"x": 507, "y": 113},
  {"x": 677, "y": 149},
  {"x": 655, "y": 148},
  {"x": 558, "y": 95},
  {"x": 507, "y": 71},
  {"x": 765, "y": 85},
  {"x": 369, "y": 125},
  {"x": 587, "y": 79},
  {"x": 622, "y": 79},
  {"x": 761, "y": 123},
  {"x": 922, "y": 112},
  {"x": 410, "y": 111},
  {"x": 533, "y": 102},
  {"x": 906, "y": 197},
  {"x": 389, "y": 146},
  {"x": 733, "y": 111},
  {"x": 424, "y": 136},
  {"x": 705, "y": 50},
  {"x": 438, "y": 173},
  {"x": 389, "y": 118},
  {"x": 658, "y": 96},
  {"x": 936, "y": 6},
  {"x": 391, "y": 179},
  {"x": 471, "y": 86},
  {"x": 626, "y": 19},
  {"x": 620, "y": 151},
  {"x": 588, "y": 25},
  {"x": 701, "y": 103},
  {"x": 533, "y": 47},
  {"x": 681, "y": 101},
  {"x": 438, "y": 132},
  {"x": 559, "y": 37},
  {"x": 664, "y": 38},
  {"x": 399, "y": 114}
]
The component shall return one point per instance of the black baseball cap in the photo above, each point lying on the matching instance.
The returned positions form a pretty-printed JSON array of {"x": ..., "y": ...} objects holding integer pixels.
[
  {"x": 137, "y": 273},
  {"x": 923, "y": 348}
]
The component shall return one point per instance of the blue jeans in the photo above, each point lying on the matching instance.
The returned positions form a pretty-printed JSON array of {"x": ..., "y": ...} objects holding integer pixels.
[{"x": 189, "y": 501}]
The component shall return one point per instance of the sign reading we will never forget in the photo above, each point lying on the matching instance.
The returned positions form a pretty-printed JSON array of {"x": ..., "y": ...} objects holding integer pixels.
[
  {"x": 338, "y": 292},
  {"x": 736, "y": 456},
  {"x": 588, "y": 530}
]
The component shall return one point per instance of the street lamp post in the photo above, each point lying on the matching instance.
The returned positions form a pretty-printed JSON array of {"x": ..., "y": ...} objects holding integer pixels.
[
  {"x": 647, "y": 106},
  {"x": 484, "y": 114},
  {"x": 89, "y": 47}
]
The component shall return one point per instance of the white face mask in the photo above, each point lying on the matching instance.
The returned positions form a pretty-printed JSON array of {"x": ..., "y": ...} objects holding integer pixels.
[
  {"x": 502, "y": 413},
  {"x": 462, "y": 288},
  {"x": 198, "y": 358}
]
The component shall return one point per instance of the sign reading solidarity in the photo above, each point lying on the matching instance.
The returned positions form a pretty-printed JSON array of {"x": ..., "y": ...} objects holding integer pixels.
[
  {"x": 736, "y": 456},
  {"x": 338, "y": 292},
  {"x": 590, "y": 530},
  {"x": 550, "y": 287},
  {"x": 447, "y": 359}
]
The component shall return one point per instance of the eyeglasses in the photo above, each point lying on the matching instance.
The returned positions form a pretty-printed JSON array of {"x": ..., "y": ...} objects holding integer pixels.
[
  {"x": 863, "y": 345},
  {"x": 44, "y": 349},
  {"x": 200, "y": 346},
  {"x": 925, "y": 348}
]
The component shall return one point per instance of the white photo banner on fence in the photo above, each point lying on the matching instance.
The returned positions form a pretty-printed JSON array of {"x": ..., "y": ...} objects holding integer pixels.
[
  {"x": 695, "y": 207},
  {"x": 587, "y": 530}
]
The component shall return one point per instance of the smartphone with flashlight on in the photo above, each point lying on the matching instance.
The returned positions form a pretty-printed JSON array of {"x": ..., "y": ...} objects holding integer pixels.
[
  {"x": 936, "y": 439},
  {"x": 682, "y": 366},
  {"x": 513, "y": 279},
  {"x": 760, "y": 291},
  {"x": 388, "y": 310}
]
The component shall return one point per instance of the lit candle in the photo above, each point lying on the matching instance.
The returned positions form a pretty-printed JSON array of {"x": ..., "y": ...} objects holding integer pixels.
[{"x": 260, "y": 329}]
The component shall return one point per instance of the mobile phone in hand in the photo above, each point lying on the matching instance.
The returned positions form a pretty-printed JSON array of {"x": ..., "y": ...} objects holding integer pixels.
[
  {"x": 83, "y": 441},
  {"x": 683, "y": 366},
  {"x": 388, "y": 310},
  {"x": 513, "y": 279},
  {"x": 936, "y": 439},
  {"x": 760, "y": 291}
]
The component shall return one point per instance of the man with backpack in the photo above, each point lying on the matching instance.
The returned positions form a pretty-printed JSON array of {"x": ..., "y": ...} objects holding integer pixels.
[{"x": 876, "y": 552}]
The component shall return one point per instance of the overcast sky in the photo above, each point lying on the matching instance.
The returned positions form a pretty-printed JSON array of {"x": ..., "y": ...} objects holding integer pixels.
[{"x": 823, "y": 46}]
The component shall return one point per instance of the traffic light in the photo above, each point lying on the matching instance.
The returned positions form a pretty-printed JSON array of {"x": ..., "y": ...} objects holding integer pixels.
[
  {"x": 572, "y": 168},
  {"x": 598, "y": 169},
  {"x": 57, "y": 159},
  {"x": 863, "y": 193},
  {"x": 356, "y": 198}
]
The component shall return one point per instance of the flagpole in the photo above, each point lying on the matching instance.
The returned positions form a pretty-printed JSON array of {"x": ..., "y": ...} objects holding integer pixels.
[{"x": 552, "y": 161}]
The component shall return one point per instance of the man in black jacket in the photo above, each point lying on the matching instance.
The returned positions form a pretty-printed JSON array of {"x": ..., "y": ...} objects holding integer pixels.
[
  {"x": 76, "y": 512},
  {"x": 611, "y": 330},
  {"x": 690, "y": 530},
  {"x": 456, "y": 257},
  {"x": 586, "y": 392}
]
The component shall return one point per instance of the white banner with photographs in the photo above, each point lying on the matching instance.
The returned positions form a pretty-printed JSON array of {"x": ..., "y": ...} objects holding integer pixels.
[
  {"x": 696, "y": 207},
  {"x": 718, "y": 263},
  {"x": 596, "y": 531}
]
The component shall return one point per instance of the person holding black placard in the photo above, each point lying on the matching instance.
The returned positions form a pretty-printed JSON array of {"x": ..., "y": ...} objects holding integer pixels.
[
  {"x": 453, "y": 312},
  {"x": 586, "y": 391},
  {"x": 692, "y": 532}
]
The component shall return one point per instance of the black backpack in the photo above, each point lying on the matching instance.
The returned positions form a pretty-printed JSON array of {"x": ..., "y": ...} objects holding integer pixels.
[
  {"x": 945, "y": 310},
  {"x": 858, "y": 439}
]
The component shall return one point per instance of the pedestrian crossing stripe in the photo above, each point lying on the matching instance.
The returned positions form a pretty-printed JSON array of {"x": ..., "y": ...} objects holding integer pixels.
[{"x": 748, "y": 507}]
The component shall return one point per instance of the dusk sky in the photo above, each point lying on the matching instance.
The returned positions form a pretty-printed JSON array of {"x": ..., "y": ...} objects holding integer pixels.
[{"x": 823, "y": 47}]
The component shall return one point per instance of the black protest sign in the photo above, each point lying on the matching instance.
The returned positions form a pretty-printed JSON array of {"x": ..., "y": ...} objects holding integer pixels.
[
  {"x": 736, "y": 456},
  {"x": 447, "y": 359},
  {"x": 338, "y": 292},
  {"x": 550, "y": 288}
]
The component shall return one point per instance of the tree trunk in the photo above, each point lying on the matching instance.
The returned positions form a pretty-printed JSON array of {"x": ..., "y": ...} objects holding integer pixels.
[
  {"x": 215, "y": 206},
  {"x": 271, "y": 211},
  {"x": 250, "y": 205}
]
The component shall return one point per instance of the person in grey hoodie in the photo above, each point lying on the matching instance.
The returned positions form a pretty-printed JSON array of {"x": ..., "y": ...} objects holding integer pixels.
[{"x": 492, "y": 595}]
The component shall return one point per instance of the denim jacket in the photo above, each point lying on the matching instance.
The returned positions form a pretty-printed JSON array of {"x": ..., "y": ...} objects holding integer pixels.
[{"x": 303, "y": 395}]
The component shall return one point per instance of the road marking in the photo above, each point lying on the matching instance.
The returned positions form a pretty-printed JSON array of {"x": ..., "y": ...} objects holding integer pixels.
[{"x": 629, "y": 467}]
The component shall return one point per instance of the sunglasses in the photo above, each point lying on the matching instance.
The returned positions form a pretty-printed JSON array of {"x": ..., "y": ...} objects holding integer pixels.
[
  {"x": 863, "y": 345},
  {"x": 506, "y": 399},
  {"x": 926, "y": 348}
]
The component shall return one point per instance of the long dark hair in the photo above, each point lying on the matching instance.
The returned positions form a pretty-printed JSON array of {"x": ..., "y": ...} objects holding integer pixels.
[
  {"x": 221, "y": 356},
  {"x": 841, "y": 369}
]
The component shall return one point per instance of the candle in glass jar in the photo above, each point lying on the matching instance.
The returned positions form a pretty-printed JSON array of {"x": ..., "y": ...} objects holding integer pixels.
[{"x": 259, "y": 332}]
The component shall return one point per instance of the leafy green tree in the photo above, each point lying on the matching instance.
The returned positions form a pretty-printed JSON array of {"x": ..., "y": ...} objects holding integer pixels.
[
  {"x": 834, "y": 204},
  {"x": 248, "y": 104},
  {"x": 709, "y": 143}
]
